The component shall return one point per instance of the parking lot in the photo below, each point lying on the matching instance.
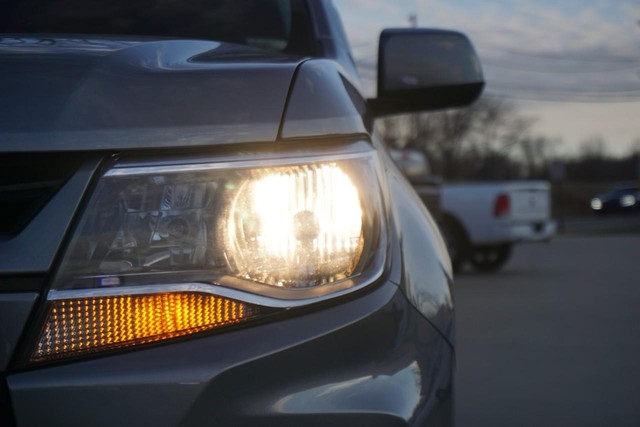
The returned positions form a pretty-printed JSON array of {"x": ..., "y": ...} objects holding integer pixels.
[{"x": 554, "y": 338}]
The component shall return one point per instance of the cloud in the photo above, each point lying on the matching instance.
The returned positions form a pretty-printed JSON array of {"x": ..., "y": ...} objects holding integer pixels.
[{"x": 539, "y": 27}]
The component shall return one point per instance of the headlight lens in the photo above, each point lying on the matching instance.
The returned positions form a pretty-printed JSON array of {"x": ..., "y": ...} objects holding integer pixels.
[{"x": 292, "y": 230}]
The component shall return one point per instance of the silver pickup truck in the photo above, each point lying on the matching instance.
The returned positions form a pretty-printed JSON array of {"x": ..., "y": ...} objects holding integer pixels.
[{"x": 481, "y": 221}]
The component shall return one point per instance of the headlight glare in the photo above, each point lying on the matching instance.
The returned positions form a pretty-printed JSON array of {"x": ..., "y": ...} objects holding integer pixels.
[{"x": 296, "y": 227}]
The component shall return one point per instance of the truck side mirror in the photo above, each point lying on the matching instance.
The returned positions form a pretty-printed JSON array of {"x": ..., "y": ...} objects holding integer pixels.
[{"x": 422, "y": 70}]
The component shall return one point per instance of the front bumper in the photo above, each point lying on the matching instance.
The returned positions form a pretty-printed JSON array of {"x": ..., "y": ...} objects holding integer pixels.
[
  {"x": 534, "y": 231},
  {"x": 372, "y": 360}
]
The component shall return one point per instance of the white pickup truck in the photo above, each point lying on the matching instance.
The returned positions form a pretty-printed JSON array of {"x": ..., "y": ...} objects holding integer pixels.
[{"x": 482, "y": 221}]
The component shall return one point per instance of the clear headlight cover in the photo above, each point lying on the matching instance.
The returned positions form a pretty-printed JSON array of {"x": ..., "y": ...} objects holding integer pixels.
[{"x": 294, "y": 229}]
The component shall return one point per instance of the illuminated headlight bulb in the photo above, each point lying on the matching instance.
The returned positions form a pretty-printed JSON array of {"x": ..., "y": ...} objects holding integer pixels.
[
  {"x": 627, "y": 201},
  {"x": 298, "y": 226}
]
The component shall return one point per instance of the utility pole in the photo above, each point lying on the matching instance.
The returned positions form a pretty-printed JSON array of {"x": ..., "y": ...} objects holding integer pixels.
[
  {"x": 413, "y": 20},
  {"x": 638, "y": 170}
]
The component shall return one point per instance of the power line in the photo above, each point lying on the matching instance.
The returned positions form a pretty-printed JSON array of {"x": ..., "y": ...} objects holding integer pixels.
[
  {"x": 569, "y": 97},
  {"x": 547, "y": 70},
  {"x": 369, "y": 62},
  {"x": 564, "y": 57}
]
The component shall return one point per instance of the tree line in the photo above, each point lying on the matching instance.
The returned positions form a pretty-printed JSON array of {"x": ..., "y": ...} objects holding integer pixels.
[{"x": 491, "y": 140}]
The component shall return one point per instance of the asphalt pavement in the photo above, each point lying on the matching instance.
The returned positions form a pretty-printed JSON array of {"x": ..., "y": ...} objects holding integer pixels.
[{"x": 554, "y": 338}]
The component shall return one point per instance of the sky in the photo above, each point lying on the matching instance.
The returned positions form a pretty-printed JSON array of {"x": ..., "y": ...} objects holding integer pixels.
[{"x": 572, "y": 65}]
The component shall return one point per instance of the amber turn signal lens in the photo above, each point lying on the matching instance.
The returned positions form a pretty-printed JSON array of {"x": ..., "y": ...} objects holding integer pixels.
[{"x": 88, "y": 325}]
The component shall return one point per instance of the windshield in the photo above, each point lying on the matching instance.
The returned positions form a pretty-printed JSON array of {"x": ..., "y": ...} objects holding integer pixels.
[{"x": 280, "y": 25}]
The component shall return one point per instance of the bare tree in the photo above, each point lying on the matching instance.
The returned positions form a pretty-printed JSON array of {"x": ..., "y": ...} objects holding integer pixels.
[
  {"x": 536, "y": 153},
  {"x": 593, "y": 148},
  {"x": 489, "y": 140},
  {"x": 478, "y": 142}
]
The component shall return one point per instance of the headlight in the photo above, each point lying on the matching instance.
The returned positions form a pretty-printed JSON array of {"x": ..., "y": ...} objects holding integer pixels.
[
  {"x": 193, "y": 247},
  {"x": 596, "y": 204},
  {"x": 627, "y": 201}
]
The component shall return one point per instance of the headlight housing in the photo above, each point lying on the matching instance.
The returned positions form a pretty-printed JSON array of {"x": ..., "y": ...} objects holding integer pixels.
[{"x": 260, "y": 233}]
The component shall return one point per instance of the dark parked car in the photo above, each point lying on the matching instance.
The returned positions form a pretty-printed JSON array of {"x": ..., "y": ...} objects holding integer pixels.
[
  {"x": 199, "y": 226},
  {"x": 621, "y": 200}
]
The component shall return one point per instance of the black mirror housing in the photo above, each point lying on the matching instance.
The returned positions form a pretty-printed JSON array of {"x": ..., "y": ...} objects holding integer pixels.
[{"x": 424, "y": 70}]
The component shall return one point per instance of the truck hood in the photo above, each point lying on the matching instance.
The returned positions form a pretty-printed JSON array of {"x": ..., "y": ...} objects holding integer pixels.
[{"x": 72, "y": 94}]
